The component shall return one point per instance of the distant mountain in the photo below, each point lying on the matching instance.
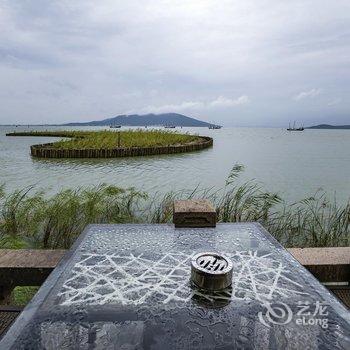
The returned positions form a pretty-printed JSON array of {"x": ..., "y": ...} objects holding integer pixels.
[
  {"x": 146, "y": 120},
  {"x": 327, "y": 126}
]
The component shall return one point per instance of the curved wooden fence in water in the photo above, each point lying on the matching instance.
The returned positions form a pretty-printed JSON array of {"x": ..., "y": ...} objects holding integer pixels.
[{"x": 46, "y": 150}]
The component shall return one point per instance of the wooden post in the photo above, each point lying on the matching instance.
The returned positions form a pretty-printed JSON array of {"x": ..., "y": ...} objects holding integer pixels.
[{"x": 5, "y": 295}]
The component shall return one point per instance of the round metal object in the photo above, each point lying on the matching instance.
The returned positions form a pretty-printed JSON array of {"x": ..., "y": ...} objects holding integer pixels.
[{"x": 211, "y": 271}]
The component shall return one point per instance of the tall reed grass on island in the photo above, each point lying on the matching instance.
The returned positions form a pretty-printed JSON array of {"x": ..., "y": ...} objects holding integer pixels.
[
  {"x": 106, "y": 139},
  {"x": 28, "y": 218}
]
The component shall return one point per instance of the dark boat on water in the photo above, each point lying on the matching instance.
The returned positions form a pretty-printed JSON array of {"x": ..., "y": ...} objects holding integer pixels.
[
  {"x": 301, "y": 128},
  {"x": 115, "y": 126},
  {"x": 169, "y": 126},
  {"x": 213, "y": 126}
]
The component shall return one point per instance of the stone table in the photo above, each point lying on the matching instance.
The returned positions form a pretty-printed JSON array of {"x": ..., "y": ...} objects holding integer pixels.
[{"x": 128, "y": 287}]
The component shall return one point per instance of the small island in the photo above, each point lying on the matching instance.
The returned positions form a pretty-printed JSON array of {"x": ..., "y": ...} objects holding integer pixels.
[
  {"x": 327, "y": 126},
  {"x": 111, "y": 144}
]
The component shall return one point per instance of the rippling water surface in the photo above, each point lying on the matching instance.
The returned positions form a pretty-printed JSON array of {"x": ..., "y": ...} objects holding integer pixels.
[{"x": 293, "y": 164}]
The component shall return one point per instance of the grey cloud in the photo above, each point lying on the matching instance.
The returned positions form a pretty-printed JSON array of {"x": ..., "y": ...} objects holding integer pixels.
[
  {"x": 88, "y": 59},
  {"x": 188, "y": 106},
  {"x": 308, "y": 94}
]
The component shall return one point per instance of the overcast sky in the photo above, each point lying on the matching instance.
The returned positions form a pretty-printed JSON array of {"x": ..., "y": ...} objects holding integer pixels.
[{"x": 239, "y": 63}]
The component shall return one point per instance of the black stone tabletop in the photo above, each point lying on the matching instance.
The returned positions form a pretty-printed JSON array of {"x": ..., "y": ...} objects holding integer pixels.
[{"x": 128, "y": 287}]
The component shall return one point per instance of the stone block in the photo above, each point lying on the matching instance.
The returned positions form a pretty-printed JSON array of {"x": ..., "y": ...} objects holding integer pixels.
[{"x": 194, "y": 213}]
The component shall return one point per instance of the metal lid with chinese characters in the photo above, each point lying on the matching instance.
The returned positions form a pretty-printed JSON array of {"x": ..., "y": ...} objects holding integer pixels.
[{"x": 211, "y": 271}]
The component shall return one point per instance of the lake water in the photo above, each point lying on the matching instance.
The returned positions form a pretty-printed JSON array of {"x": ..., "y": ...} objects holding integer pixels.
[{"x": 295, "y": 164}]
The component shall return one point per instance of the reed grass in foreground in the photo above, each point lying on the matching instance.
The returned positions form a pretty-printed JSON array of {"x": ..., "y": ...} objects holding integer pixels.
[
  {"x": 29, "y": 219},
  {"x": 106, "y": 139}
]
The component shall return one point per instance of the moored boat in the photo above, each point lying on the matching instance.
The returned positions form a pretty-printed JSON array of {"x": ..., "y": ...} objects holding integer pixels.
[
  {"x": 301, "y": 128},
  {"x": 214, "y": 126}
]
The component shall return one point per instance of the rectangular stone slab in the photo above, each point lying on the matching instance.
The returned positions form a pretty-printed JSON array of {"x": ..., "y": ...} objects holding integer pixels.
[
  {"x": 327, "y": 264},
  {"x": 27, "y": 267},
  {"x": 194, "y": 213}
]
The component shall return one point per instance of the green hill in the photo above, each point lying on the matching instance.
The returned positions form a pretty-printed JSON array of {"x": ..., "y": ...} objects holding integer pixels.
[{"x": 146, "y": 120}]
